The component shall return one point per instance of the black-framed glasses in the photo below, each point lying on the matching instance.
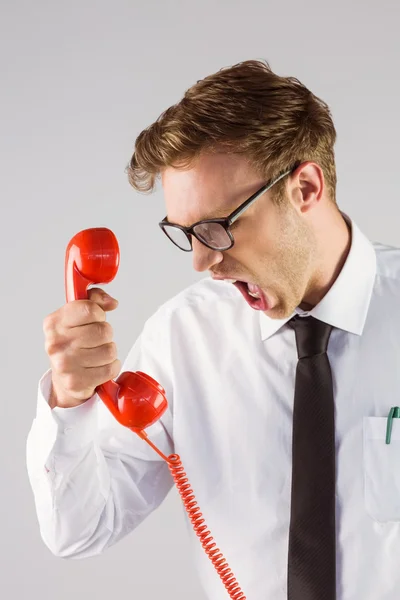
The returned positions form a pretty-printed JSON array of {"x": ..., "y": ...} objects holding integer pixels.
[{"x": 213, "y": 233}]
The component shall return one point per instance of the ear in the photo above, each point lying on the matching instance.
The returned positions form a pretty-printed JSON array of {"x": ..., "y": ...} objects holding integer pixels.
[{"x": 307, "y": 185}]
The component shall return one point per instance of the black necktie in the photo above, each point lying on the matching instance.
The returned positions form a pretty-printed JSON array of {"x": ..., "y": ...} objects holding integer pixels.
[{"x": 312, "y": 548}]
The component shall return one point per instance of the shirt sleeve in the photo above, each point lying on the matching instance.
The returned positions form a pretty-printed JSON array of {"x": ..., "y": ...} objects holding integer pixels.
[{"x": 94, "y": 480}]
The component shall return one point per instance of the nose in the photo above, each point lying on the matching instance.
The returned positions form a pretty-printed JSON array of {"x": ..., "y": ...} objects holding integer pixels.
[{"x": 203, "y": 257}]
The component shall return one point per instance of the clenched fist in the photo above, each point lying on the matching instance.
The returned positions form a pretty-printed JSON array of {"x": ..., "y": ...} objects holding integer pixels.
[{"x": 79, "y": 344}]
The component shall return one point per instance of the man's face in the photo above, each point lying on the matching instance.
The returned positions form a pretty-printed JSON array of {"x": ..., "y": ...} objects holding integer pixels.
[{"x": 273, "y": 246}]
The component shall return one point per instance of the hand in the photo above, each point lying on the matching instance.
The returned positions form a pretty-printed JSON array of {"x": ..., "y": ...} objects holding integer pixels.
[{"x": 79, "y": 344}]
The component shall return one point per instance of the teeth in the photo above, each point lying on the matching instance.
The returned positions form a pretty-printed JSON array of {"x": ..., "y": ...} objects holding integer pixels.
[
  {"x": 231, "y": 280},
  {"x": 253, "y": 291}
]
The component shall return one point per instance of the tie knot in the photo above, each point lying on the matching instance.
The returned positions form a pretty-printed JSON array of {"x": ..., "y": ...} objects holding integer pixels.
[{"x": 312, "y": 335}]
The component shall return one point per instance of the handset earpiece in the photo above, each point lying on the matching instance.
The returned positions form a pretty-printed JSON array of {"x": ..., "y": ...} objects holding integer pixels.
[{"x": 92, "y": 257}]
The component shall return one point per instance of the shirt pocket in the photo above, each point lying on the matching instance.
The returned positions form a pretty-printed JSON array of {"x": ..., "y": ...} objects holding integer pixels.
[{"x": 381, "y": 463}]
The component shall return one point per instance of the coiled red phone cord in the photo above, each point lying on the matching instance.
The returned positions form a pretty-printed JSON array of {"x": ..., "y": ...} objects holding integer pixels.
[{"x": 192, "y": 509}]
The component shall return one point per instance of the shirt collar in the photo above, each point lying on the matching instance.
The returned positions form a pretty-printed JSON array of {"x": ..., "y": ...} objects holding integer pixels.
[{"x": 346, "y": 304}]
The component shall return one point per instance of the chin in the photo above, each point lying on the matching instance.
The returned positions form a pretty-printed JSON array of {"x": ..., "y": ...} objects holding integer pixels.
[{"x": 280, "y": 311}]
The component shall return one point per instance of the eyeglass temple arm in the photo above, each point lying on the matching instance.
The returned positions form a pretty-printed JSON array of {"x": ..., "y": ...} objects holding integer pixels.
[{"x": 236, "y": 214}]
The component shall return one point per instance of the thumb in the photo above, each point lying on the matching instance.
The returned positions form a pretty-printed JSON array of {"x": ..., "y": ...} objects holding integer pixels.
[{"x": 104, "y": 300}]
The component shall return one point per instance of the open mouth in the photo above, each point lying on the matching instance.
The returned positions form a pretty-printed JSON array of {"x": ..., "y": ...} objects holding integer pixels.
[{"x": 253, "y": 295}]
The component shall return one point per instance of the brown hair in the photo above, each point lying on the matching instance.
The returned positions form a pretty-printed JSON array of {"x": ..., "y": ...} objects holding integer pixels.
[{"x": 274, "y": 121}]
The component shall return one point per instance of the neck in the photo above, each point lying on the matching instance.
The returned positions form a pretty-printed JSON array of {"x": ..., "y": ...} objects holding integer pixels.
[{"x": 331, "y": 258}]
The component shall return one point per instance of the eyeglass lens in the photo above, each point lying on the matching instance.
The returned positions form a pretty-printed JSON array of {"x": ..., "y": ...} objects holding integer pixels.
[
  {"x": 177, "y": 236},
  {"x": 212, "y": 234}
]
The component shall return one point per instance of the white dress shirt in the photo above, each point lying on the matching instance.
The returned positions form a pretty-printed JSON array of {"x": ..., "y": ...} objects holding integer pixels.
[{"x": 229, "y": 375}]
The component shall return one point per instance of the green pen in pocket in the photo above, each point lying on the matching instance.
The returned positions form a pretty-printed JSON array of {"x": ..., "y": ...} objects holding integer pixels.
[{"x": 393, "y": 414}]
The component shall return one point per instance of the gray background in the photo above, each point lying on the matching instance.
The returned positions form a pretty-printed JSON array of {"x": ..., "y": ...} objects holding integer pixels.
[{"x": 79, "y": 81}]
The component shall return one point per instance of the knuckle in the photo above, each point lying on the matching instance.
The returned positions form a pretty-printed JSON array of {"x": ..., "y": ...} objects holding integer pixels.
[
  {"x": 54, "y": 343},
  {"x": 95, "y": 294},
  {"x": 59, "y": 363},
  {"x": 116, "y": 368},
  {"x": 98, "y": 332},
  {"x": 105, "y": 331},
  {"x": 88, "y": 308},
  {"x": 92, "y": 310},
  {"x": 111, "y": 351},
  {"x": 48, "y": 324},
  {"x": 51, "y": 346},
  {"x": 111, "y": 370}
]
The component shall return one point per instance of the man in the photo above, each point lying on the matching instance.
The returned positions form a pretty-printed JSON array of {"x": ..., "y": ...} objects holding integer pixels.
[{"x": 280, "y": 369}]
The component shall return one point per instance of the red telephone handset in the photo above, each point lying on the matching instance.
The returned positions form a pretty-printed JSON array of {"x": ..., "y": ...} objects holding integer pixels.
[{"x": 135, "y": 399}]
